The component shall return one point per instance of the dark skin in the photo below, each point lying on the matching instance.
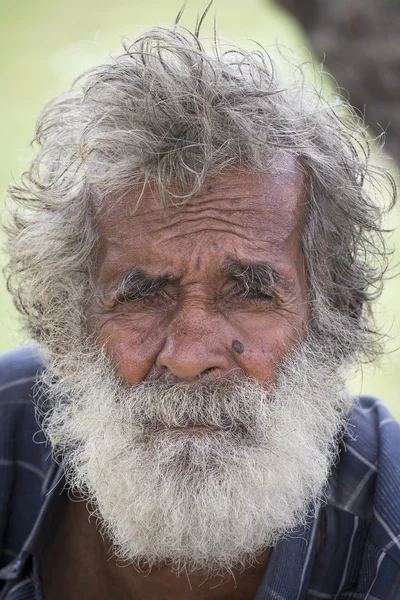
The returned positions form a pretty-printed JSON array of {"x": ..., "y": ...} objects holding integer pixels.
[
  {"x": 196, "y": 323},
  {"x": 79, "y": 564}
]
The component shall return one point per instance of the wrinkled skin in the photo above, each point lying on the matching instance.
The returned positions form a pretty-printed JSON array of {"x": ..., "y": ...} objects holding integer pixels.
[
  {"x": 188, "y": 328},
  {"x": 197, "y": 327}
]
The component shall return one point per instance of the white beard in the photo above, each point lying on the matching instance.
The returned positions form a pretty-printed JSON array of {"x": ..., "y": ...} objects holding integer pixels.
[{"x": 208, "y": 500}]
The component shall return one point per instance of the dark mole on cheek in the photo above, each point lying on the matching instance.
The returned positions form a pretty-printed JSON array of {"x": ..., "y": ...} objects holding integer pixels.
[
  {"x": 216, "y": 245},
  {"x": 237, "y": 346}
]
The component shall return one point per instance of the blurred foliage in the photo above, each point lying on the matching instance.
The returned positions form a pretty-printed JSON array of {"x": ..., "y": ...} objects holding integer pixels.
[{"x": 45, "y": 44}]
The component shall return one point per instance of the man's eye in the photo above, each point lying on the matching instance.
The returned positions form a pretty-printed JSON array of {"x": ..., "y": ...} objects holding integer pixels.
[
  {"x": 135, "y": 296},
  {"x": 255, "y": 294}
]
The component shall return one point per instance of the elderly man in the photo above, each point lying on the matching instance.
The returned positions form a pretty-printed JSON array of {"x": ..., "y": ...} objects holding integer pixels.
[{"x": 196, "y": 254}]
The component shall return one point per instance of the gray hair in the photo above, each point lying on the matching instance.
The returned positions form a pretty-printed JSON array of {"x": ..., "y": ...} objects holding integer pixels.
[{"x": 167, "y": 113}]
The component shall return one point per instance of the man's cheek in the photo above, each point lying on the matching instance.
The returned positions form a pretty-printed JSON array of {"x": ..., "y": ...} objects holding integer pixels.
[
  {"x": 132, "y": 344},
  {"x": 266, "y": 342}
]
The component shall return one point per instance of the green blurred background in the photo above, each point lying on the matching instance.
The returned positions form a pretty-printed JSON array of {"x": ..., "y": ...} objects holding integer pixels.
[{"x": 44, "y": 44}]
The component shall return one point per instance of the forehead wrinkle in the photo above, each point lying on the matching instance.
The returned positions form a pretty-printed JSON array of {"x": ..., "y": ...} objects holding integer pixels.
[
  {"x": 267, "y": 221},
  {"x": 201, "y": 206},
  {"x": 224, "y": 187},
  {"x": 188, "y": 237},
  {"x": 217, "y": 206},
  {"x": 248, "y": 221},
  {"x": 263, "y": 239}
]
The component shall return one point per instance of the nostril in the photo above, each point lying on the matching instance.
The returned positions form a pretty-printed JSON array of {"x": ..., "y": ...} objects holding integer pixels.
[{"x": 206, "y": 371}]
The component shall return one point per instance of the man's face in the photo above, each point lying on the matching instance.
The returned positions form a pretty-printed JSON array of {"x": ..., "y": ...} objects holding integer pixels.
[
  {"x": 205, "y": 426},
  {"x": 216, "y": 289}
]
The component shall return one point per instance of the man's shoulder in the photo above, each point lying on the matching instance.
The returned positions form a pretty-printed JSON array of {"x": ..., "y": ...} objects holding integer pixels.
[
  {"x": 373, "y": 439},
  {"x": 18, "y": 366},
  {"x": 366, "y": 480},
  {"x": 19, "y": 369},
  {"x": 23, "y": 452}
]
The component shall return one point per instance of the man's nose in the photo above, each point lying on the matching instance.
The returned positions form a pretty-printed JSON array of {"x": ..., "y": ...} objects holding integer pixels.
[{"x": 194, "y": 346}]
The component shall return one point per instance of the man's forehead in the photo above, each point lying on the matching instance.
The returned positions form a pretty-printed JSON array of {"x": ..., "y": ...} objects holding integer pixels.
[{"x": 278, "y": 190}]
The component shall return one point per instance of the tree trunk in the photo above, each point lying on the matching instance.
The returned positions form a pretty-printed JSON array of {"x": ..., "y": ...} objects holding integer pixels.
[{"x": 359, "y": 41}]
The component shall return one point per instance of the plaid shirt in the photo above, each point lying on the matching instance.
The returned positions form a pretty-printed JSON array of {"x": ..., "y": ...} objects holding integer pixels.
[{"x": 359, "y": 525}]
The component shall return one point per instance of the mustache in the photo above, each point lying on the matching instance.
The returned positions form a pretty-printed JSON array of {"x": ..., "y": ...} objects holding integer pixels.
[{"x": 231, "y": 405}]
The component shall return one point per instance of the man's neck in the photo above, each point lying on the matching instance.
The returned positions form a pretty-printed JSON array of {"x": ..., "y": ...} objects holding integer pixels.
[{"x": 77, "y": 564}]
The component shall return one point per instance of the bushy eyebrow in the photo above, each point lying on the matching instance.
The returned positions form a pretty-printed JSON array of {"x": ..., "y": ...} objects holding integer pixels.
[
  {"x": 260, "y": 276},
  {"x": 138, "y": 284}
]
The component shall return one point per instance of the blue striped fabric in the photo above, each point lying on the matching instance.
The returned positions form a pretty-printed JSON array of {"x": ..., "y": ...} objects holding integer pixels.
[{"x": 349, "y": 551}]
